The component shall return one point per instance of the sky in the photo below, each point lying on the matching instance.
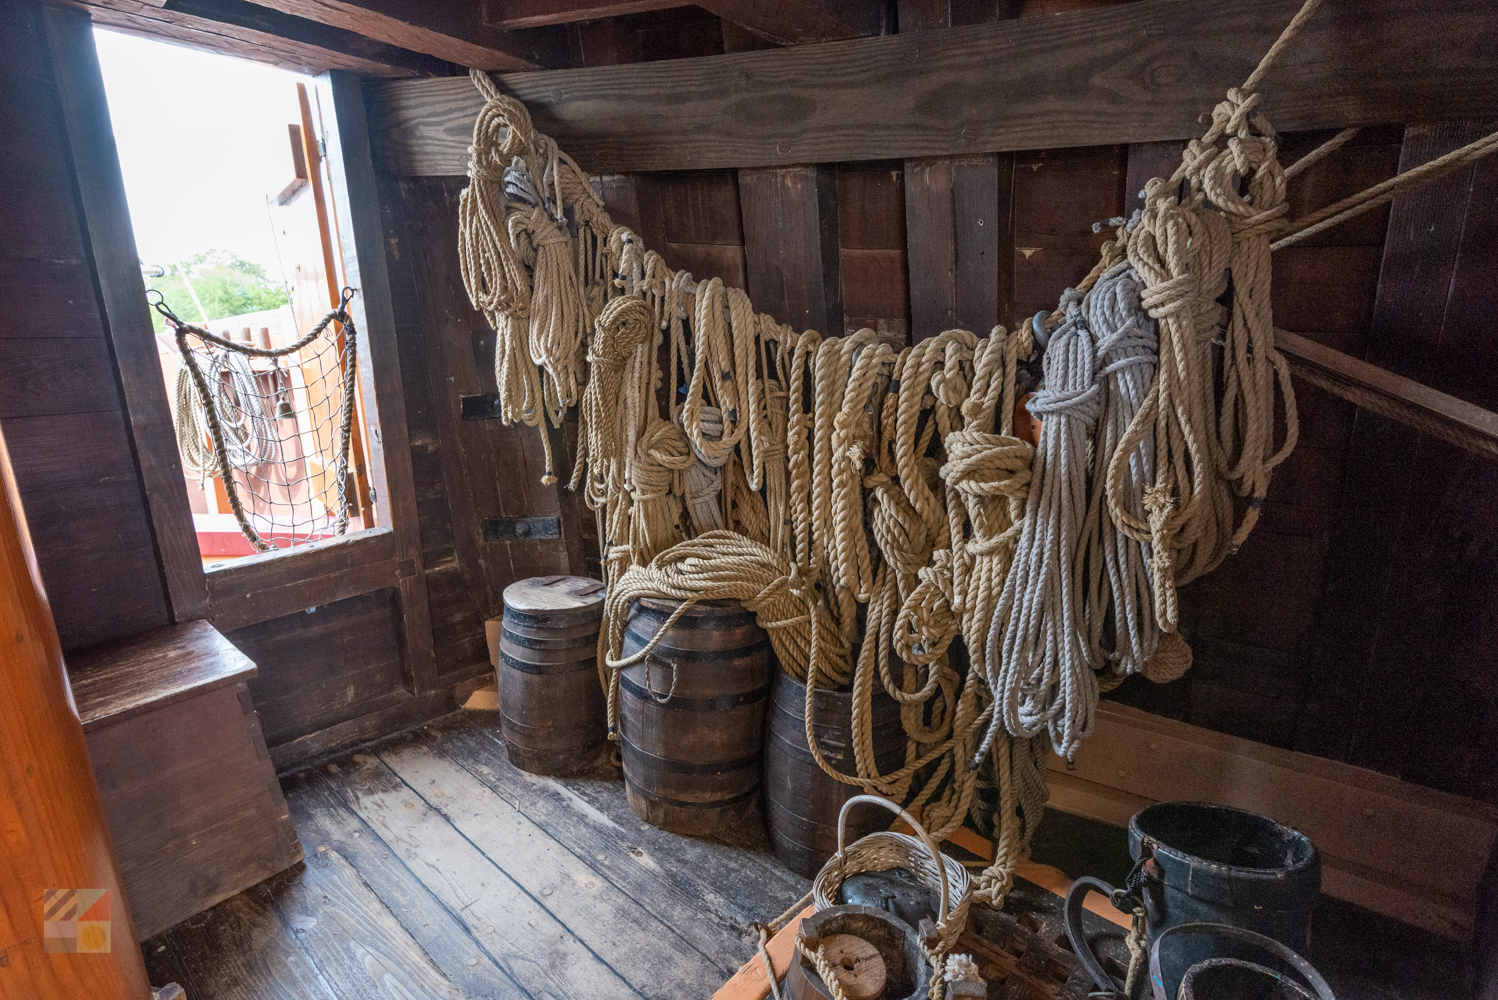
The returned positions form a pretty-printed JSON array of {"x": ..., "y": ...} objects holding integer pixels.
[{"x": 165, "y": 100}]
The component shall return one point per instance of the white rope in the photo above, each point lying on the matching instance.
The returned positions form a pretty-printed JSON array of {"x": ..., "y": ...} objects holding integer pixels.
[
  {"x": 1117, "y": 565},
  {"x": 1045, "y": 675}
]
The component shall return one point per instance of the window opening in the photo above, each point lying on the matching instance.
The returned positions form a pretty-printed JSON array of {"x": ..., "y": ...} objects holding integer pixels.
[{"x": 238, "y": 243}]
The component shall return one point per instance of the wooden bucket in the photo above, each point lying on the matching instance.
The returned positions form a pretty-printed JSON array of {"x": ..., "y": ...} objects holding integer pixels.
[
  {"x": 803, "y": 800},
  {"x": 692, "y": 714},
  {"x": 551, "y": 703}
]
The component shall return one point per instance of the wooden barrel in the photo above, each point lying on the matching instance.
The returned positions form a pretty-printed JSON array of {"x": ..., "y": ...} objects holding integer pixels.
[
  {"x": 551, "y": 703},
  {"x": 692, "y": 714},
  {"x": 803, "y": 800}
]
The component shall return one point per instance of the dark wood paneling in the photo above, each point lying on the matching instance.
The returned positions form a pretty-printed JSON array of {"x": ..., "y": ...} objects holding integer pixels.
[
  {"x": 790, "y": 219},
  {"x": 261, "y": 587},
  {"x": 872, "y": 259},
  {"x": 105, "y": 216},
  {"x": 1135, "y": 72},
  {"x": 356, "y": 199},
  {"x": 1058, "y": 196},
  {"x": 958, "y": 215},
  {"x": 709, "y": 260},
  {"x": 702, "y": 206},
  {"x": 324, "y": 666}
]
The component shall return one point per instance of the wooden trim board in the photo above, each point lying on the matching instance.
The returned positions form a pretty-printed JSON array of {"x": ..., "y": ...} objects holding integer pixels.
[
  {"x": 1407, "y": 852},
  {"x": 1380, "y": 391},
  {"x": 1138, "y": 72}
]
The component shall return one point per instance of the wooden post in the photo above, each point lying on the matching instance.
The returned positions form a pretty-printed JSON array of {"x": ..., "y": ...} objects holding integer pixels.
[{"x": 52, "y": 830}]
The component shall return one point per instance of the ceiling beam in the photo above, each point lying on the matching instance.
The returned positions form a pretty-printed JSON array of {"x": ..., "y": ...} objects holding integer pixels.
[
  {"x": 513, "y": 15},
  {"x": 1136, "y": 72},
  {"x": 240, "y": 28},
  {"x": 451, "y": 30},
  {"x": 799, "y": 22}
]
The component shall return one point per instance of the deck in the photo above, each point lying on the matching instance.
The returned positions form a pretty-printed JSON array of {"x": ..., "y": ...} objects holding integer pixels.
[{"x": 436, "y": 870}]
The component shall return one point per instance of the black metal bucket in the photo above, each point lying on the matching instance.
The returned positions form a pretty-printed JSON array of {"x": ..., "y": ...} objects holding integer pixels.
[{"x": 1203, "y": 863}]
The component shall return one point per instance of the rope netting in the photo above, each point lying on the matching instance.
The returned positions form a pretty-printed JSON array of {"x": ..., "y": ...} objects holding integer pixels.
[{"x": 272, "y": 424}]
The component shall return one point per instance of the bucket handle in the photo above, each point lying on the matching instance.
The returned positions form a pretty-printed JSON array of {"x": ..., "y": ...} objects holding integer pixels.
[
  {"x": 842, "y": 850},
  {"x": 1075, "y": 897},
  {"x": 1278, "y": 949}
]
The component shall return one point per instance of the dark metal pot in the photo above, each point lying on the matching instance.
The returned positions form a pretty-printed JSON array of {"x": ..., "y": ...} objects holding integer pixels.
[{"x": 1203, "y": 863}]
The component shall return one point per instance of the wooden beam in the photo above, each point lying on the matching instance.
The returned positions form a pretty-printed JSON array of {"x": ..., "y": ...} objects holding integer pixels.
[
  {"x": 1136, "y": 72},
  {"x": 361, "y": 236},
  {"x": 798, "y": 22},
  {"x": 1375, "y": 833},
  {"x": 249, "y": 31},
  {"x": 457, "y": 31},
  {"x": 258, "y": 588},
  {"x": 122, "y": 299},
  {"x": 961, "y": 246},
  {"x": 512, "y": 15},
  {"x": 1380, "y": 391}
]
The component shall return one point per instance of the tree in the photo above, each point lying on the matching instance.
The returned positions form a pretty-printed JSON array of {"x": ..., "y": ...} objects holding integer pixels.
[{"x": 226, "y": 285}]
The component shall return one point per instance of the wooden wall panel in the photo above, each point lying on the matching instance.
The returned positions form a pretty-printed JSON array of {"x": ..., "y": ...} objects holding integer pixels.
[
  {"x": 1058, "y": 195},
  {"x": 790, "y": 217},
  {"x": 872, "y": 262},
  {"x": 465, "y": 471},
  {"x": 323, "y": 666},
  {"x": 60, "y": 405},
  {"x": 701, "y": 225},
  {"x": 958, "y": 213}
]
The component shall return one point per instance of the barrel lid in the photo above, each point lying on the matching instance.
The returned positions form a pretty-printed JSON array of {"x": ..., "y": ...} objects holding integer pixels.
[
  {"x": 700, "y": 608},
  {"x": 542, "y": 594}
]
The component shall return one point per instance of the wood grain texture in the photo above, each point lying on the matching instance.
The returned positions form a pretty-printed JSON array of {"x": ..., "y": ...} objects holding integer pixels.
[
  {"x": 1372, "y": 831},
  {"x": 648, "y": 953},
  {"x": 355, "y": 194},
  {"x": 269, "y": 585},
  {"x": 454, "y": 32},
  {"x": 708, "y": 892},
  {"x": 534, "y": 948},
  {"x": 325, "y": 667},
  {"x": 799, "y": 22},
  {"x": 193, "y": 805},
  {"x": 790, "y": 218},
  {"x": 105, "y": 216},
  {"x": 54, "y": 821},
  {"x": 392, "y": 713},
  {"x": 1132, "y": 73},
  {"x": 1411, "y": 520},
  {"x": 125, "y": 678},
  {"x": 290, "y": 43},
  {"x": 961, "y": 247},
  {"x": 333, "y": 835}
]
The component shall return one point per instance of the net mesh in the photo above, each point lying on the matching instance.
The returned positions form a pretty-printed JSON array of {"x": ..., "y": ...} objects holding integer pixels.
[{"x": 273, "y": 424}]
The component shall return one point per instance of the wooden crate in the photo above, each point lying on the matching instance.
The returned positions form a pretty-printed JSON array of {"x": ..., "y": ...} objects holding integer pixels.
[{"x": 193, "y": 803}]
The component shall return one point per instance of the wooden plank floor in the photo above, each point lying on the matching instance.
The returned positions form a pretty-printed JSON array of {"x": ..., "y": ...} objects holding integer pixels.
[{"x": 436, "y": 869}]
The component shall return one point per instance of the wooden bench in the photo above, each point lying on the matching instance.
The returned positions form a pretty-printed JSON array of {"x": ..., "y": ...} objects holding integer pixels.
[{"x": 192, "y": 799}]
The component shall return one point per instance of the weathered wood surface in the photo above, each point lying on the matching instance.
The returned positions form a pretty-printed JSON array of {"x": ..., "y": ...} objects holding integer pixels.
[
  {"x": 105, "y": 216},
  {"x": 128, "y": 677},
  {"x": 257, "y": 588},
  {"x": 52, "y": 814},
  {"x": 1132, "y": 73},
  {"x": 1374, "y": 832},
  {"x": 356, "y": 205},
  {"x": 193, "y": 805},
  {"x": 1380, "y": 391}
]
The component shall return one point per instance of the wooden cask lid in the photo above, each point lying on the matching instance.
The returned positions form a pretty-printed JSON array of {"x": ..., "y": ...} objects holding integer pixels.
[{"x": 543, "y": 601}]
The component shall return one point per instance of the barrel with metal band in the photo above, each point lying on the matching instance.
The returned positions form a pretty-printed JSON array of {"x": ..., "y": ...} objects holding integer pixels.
[
  {"x": 802, "y": 800},
  {"x": 692, "y": 713},
  {"x": 552, "y": 708}
]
